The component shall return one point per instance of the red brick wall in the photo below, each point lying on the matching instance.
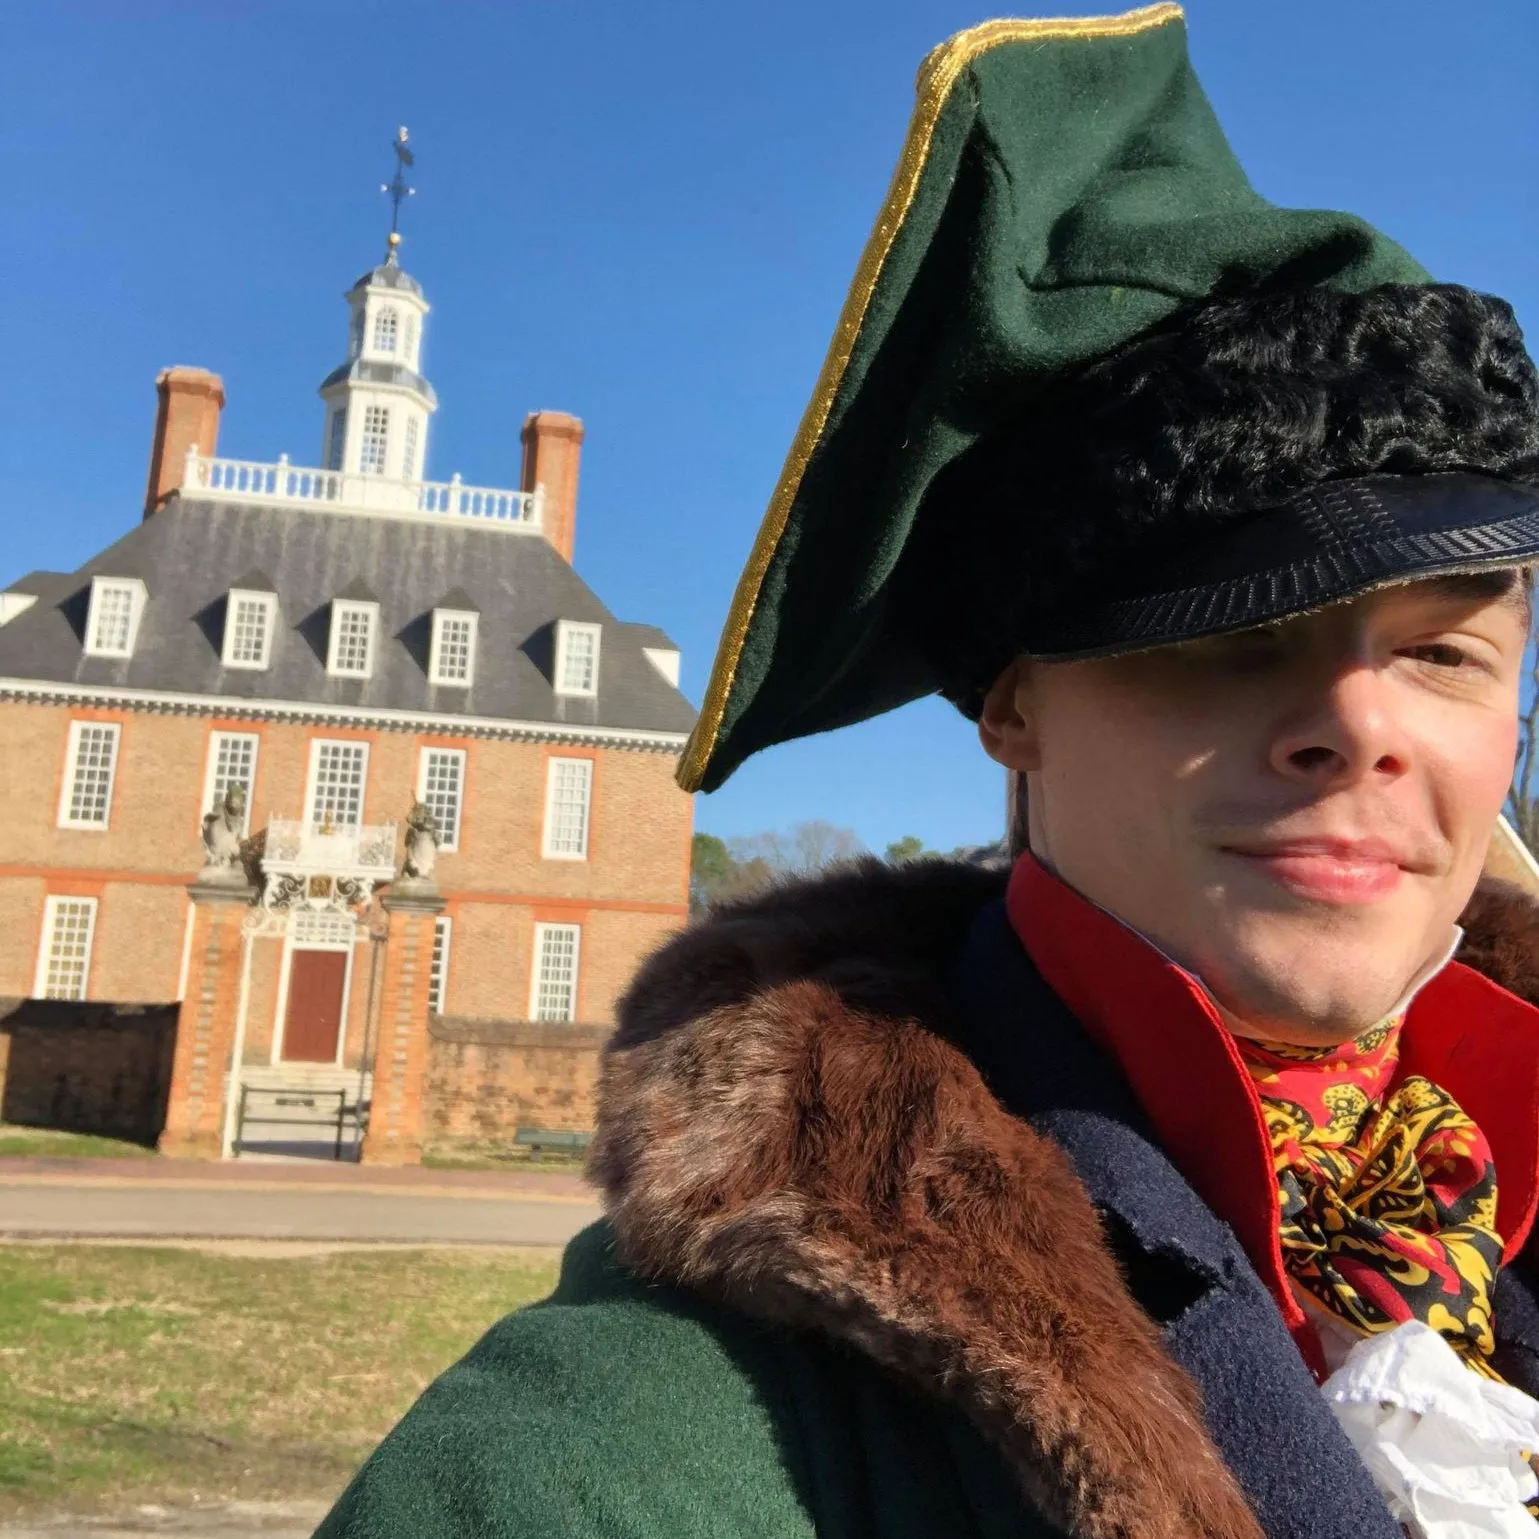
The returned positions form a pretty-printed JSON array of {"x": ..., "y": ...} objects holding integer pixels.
[
  {"x": 486, "y": 1079},
  {"x": 88, "y": 1068}
]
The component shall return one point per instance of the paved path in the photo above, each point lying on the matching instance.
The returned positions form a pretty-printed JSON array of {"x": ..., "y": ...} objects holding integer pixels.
[
  {"x": 224, "y": 1520},
  {"x": 183, "y": 1199}
]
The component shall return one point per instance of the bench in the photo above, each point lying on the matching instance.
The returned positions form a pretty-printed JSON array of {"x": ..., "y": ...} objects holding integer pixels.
[
  {"x": 567, "y": 1140},
  {"x": 299, "y": 1106}
]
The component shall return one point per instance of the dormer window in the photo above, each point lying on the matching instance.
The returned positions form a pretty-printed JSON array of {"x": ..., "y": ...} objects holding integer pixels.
[
  {"x": 250, "y": 618},
  {"x": 453, "y": 659},
  {"x": 112, "y": 622},
  {"x": 577, "y": 658},
  {"x": 351, "y": 652},
  {"x": 386, "y": 325}
]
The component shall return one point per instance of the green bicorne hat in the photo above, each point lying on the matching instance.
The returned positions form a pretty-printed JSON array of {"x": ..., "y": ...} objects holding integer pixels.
[{"x": 1064, "y": 188}]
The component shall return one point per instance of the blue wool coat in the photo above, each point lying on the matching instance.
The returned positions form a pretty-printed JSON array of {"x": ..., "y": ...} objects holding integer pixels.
[{"x": 833, "y": 1136}]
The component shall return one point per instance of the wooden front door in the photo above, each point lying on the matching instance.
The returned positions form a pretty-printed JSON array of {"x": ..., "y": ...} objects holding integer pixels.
[{"x": 312, "y": 1026}]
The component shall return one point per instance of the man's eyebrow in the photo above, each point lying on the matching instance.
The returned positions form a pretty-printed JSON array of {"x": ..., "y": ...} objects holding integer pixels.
[{"x": 1508, "y": 585}]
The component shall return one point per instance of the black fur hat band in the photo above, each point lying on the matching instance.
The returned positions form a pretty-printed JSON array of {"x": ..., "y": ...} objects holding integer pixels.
[{"x": 1247, "y": 460}]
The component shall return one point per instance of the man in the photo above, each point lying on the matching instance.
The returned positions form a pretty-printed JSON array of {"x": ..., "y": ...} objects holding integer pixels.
[{"x": 945, "y": 1204}]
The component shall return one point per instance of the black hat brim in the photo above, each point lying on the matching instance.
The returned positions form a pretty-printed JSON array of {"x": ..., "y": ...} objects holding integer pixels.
[{"x": 1326, "y": 544}]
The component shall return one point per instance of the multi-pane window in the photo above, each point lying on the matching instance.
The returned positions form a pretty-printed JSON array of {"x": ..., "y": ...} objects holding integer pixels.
[
  {"x": 411, "y": 340},
  {"x": 441, "y": 784},
  {"x": 438, "y": 972},
  {"x": 374, "y": 441},
  {"x": 409, "y": 451},
  {"x": 337, "y": 773},
  {"x": 232, "y": 758},
  {"x": 385, "y": 327},
  {"x": 358, "y": 323},
  {"x": 337, "y": 439},
  {"x": 352, "y": 638},
  {"x": 93, "y": 754},
  {"x": 568, "y": 794},
  {"x": 577, "y": 658},
  {"x": 248, "y": 629},
  {"x": 554, "y": 995},
  {"x": 113, "y": 616},
  {"x": 454, "y": 647},
  {"x": 64, "y": 959}
]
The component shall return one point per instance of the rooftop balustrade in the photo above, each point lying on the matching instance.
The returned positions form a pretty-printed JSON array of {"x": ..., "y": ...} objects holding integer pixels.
[{"x": 339, "y": 491}]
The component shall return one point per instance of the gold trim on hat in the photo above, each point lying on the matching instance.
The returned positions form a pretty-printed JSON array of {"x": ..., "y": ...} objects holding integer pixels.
[{"x": 937, "y": 75}]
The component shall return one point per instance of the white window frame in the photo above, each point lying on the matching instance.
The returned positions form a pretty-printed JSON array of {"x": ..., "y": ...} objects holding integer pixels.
[
  {"x": 410, "y": 334},
  {"x": 441, "y": 620},
  {"x": 51, "y": 909},
  {"x": 269, "y": 606},
  {"x": 541, "y": 931},
  {"x": 447, "y": 845},
  {"x": 211, "y": 790},
  {"x": 387, "y": 330},
  {"x": 130, "y": 588},
  {"x": 409, "y": 443},
  {"x": 552, "y": 773},
  {"x": 438, "y": 964},
  {"x": 312, "y": 778},
  {"x": 77, "y": 730},
  {"x": 336, "y": 438},
  {"x": 374, "y": 441},
  {"x": 345, "y": 609},
  {"x": 565, "y": 630}
]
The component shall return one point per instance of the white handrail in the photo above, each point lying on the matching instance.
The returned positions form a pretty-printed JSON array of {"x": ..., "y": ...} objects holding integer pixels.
[{"x": 225, "y": 480}]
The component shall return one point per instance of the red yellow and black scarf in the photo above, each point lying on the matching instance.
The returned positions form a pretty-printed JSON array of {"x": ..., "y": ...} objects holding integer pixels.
[{"x": 1386, "y": 1188}]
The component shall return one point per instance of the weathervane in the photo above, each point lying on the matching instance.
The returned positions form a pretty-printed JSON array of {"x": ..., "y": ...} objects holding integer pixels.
[{"x": 398, "y": 189}]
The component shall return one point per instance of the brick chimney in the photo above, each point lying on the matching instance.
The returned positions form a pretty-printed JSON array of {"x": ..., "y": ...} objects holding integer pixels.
[
  {"x": 552, "y": 449},
  {"x": 190, "y": 403}
]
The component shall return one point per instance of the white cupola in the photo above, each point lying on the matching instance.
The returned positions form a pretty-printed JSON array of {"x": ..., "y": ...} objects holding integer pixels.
[{"x": 377, "y": 403}]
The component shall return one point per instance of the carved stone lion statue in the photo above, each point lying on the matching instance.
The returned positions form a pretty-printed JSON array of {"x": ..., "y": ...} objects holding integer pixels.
[
  {"x": 222, "y": 832},
  {"x": 421, "y": 844}
]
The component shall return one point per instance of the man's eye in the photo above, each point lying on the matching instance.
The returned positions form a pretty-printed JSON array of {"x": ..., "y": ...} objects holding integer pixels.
[{"x": 1440, "y": 654}]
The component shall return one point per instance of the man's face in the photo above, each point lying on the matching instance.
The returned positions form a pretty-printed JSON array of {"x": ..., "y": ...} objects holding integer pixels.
[{"x": 1296, "y": 813}]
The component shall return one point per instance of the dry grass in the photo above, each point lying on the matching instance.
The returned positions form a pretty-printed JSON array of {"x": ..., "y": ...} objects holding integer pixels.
[{"x": 145, "y": 1374}]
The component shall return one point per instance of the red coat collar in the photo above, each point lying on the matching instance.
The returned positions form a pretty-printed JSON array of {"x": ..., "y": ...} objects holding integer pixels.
[{"x": 1463, "y": 1032}]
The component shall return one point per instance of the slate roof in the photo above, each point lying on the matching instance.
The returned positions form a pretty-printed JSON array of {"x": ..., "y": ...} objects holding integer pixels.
[{"x": 191, "y": 553}]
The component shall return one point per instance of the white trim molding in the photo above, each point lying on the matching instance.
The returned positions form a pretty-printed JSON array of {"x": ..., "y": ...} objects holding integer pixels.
[{"x": 235, "y": 708}]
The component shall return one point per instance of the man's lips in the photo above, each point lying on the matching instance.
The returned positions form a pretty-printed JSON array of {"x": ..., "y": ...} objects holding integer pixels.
[{"x": 1326, "y": 870}]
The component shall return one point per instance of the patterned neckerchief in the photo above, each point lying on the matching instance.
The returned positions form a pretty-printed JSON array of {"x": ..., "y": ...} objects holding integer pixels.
[{"x": 1387, "y": 1190}]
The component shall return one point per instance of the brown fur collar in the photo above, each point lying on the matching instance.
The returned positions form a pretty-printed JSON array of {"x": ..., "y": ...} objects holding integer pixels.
[{"x": 782, "y": 1129}]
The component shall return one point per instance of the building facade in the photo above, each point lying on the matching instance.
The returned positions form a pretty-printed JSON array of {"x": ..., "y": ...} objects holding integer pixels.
[{"x": 340, "y": 642}]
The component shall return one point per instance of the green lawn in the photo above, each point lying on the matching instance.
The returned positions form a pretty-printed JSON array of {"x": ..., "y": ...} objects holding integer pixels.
[
  {"x": 141, "y": 1374},
  {"x": 20, "y": 1140}
]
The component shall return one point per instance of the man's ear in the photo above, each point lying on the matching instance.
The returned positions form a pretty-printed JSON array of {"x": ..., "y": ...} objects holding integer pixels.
[{"x": 1008, "y": 726}]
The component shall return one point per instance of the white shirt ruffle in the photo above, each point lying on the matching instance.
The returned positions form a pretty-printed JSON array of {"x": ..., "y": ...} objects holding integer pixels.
[{"x": 1447, "y": 1448}]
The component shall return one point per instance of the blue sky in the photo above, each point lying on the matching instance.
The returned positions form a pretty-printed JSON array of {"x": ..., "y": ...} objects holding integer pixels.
[{"x": 646, "y": 214}]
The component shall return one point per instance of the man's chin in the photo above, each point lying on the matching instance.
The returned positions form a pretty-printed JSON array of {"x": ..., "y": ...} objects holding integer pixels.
[{"x": 1315, "y": 991}]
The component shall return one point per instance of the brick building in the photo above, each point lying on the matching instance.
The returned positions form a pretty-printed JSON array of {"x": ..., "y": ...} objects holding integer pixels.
[{"x": 342, "y": 641}]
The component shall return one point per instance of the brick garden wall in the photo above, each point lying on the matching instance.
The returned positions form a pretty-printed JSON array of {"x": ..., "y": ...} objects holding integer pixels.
[
  {"x": 86, "y": 1067},
  {"x": 486, "y": 1079}
]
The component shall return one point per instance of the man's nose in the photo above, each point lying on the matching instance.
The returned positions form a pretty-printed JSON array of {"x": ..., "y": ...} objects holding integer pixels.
[{"x": 1343, "y": 731}]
